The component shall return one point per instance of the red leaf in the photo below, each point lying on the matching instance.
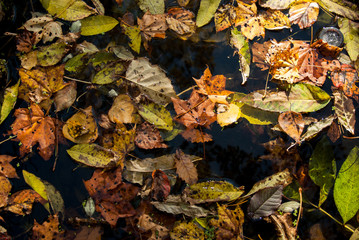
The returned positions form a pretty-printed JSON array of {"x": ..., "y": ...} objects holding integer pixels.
[{"x": 161, "y": 187}]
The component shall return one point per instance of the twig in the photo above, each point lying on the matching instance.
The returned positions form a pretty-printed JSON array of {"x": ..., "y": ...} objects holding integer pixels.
[
  {"x": 77, "y": 80},
  {"x": 186, "y": 90},
  {"x": 9, "y": 138},
  {"x": 346, "y": 137},
  {"x": 300, "y": 208}
]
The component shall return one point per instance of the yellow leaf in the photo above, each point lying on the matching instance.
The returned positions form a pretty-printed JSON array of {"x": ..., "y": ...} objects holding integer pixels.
[
  {"x": 70, "y": 10},
  {"x": 97, "y": 24},
  {"x": 36, "y": 183},
  {"x": 229, "y": 116}
]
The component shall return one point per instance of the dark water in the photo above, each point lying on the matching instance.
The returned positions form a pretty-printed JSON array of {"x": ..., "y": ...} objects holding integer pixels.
[{"x": 234, "y": 153}]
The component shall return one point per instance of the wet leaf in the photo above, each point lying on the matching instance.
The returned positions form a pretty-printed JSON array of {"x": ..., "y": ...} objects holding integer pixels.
[
  {"x": 5, "y": 188},
  {"x": 94, "y": 155},
  {"x": 275, "y": 4},
  {"x": 300, "y": 98},
  {"x": 6, "y": 169},
  {"x": 230, "y": 223},
  {"x": 32, "y": 127},
  {"x": 9, "y": 100},
  {"x": 343, "y": 8},
  {"x": 316, "y": 127},
  {"x": 122, "y": 53},
  {"x": 81, "y": 127},
  {"x": 65, "y": 97},
  {"x": 49, "y": 229},
  {"x": 123, "y": 110},
  {"x": 146, "y": 223},
  {"x": 89, "y": 233},
  {"x": 274, "y": 20},
  {"x": 212, "y": 191},
  {"x": 153, "y": 6},
  {"x": 281, "y": 178},
  {"x": 134, "y": 34},
  {"x": 326, "y": 49},
  {"x": 304, "y": 13},
  {"x": 51, "y": 54},
  {"x": 151, "y": 80},
  {"x": 148, "y": 137},
  {"x": 253, "y": 27},
  {"x": 186, "y": 170},
  {"x": 180, "y": 21},
  {"x": 206, "y": 11},
  {"x": 284, "y": 225},
  {"x": 39, "y": 84},
  {"x": 292, "y": 123},
  {"x": 345, "y": 78},
  {"x": 239, "y": 42},
  {"x": 109, "y": 74},
  {"x": 229, "y": 115},
  {"x": 89, "y": 206},
  {"x": 346, "y": 192},
  {"x": 322, "y": 168},
  {"x": 196, "y": 135},
  {"x": 25, "y": 41},
  {"x": 22, "y": 201},
  {"x": 157, "y": 115},
  {"x": 152, "y": 26},
  {"x": 123, "y": 141},
  {"x": 70, "y": 10},
  {"x": 265, "y": 202},
  {"x": 187, "y": 231},
  {"x": 344, "y": 109},
  {"x": 161, "y": 187},
  {"x": 98, "y": 24},
  {"x": 175, "y": 205}
]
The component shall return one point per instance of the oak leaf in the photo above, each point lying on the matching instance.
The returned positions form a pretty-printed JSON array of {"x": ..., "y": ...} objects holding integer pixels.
[
  {"x": 181, "y": 22},
  {"x": 185, "y": 168},
  {"x": 161, "y": 187},
  {"x": 49, "y": 229},
  {"x": 196, "y": 136},
  {"x": 6, "y": 169},
  {"x": 304, "y": 13},
  {"x": 292, "y": 123},
  {"x": 32, "y": 127},
  {"x": 148, "y": 137},
  {"x": 230, "y": 223}
]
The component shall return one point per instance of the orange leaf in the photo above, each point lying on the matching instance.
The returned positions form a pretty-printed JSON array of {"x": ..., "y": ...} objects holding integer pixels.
[
  {"x": 21, "y": 202},
  {"x": 292, "y": 124},
  {"x": 253, "y": 27},
  {"x": 5, "y": 188},
  {"x": 6, "y": 168},
  {"x": 196, "y": 136},
  {"x": 148, "y": 137},
  {"x": 304, "y": 14},
  {"x": 185, "y": 168},
  {"x": 32, "y": 127},
  {"x": 345, "y": 79},
  {"x": 161, "y": 187},
  {"x": 48, "y": 230},
  {"x": 325, "y": 49}
]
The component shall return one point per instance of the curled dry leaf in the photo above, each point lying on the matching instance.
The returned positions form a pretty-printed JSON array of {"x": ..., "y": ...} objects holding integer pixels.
[
  {"x": 146, "y": 223},
  {"x": 344, "y": 109},
  {"x": 284, "y": 225},
  {"x": 181, "y": 22},
  {"x": 304, "y": 13},
  {"x": 292, "y": 123},
  {"x": 161, "y": 187},
  {"x": 148, "y": 137},
  {"x": 32, "y": 127},
  {"x": 185, "y": 168},
  {"x": 81, "y": 127},
  {"x": 50, "y": 229},
  {"x": 6, "y": 169}
]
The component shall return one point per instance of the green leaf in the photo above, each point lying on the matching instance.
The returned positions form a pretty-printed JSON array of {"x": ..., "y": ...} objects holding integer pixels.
[
  {"x": 153, "y": 6},
  {"x": 212, "y": 191},
  {"x": 156, "y": 115},
  {"x": 206, "y": 11},
  {"x": 10, "y": 96},
  {"x": 346, "y": 187},
  {"x": 93, "y": 155},
  {"x": 97, "y": 24},
  {"x": 350, "y": 31},
  {"x": 70, "y": 10},
  {"x": 299, "y": 98},
  {"x": 134, "y": 34},
  {"x": 109, "y": 74},
  {"x": 52, "y": 54},
  {"x": 77, "y": 63},
  {"x": 322, "y": 168}
]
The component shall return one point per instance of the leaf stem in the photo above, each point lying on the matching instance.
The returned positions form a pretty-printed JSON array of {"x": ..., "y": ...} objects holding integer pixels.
[
  {"x": 186, "y": 90},
  {"x": 76, "y": 80},
  {"x": 300, "y": 207},
  {"x": 9, "y": 138}
]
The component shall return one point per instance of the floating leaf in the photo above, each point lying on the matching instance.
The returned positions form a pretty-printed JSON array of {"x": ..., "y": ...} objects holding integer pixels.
[
  {"x": 343, "y": 8},
  {"x": 196, "y": 135},
  {"x": 274, "y": 20},
  {"x": 148, "y": 137},
  {"x": 300, "y": 98},
  {"x": 9, "y": 100},
  {"x": 22, "y": 201},
  {"x": 146, "y": 223},
  {"x": 49, "y": 229},
  {"x": 275, "y": 4},
  {"x": 265, "y": 202},
  {"x": 206, "y": 11},
  {"x": 160, "y": 188},
  {"x": 97, "y": 24},
  {"x": 281, "y": 178},
  {"x": 292, "y": 123},
  {"x": 344, "y": 109},
  {"x": 242, "y": 49},
  {"x": 123, "y": 110},
  {"x": 304, "y": 13},
  {"x": 316, "y": 127},
  {"x": 134, "y": 34},
  {"x": 151, "y": 80},
  {"x": 109, "y": 74},
  {"x": 157, "y": 115},
  {"x": 180, "y": 21},
  {"x": 38, "y": 185},
  {"x": 346, "y": 192},
  {"x": 230, "y": 115},
  {"x": 94, "y": 155},
  {"x": 6, "y": 168},
  {"x": 153, "y": 6},
  {"x": 345, "y": 79},
  {"x": 322, "y": 168},
  {"x": 70, "y": 10},
  {"x": 152, "y": 26},
  {"x": 65, "y": 97},
  {"x": 212, "y": 191},
  {"x": 5, "y": 188},
  {"x": 186, "y": 170}
]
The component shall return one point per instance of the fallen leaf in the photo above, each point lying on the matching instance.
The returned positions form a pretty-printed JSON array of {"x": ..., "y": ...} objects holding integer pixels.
[
  {"x": 185, "y": 168},
  {"x": 185, "y": 230},
  {"x": 22, "y": 201},
  {"x": 70, "y": 10},
  {"x": 343, "y": 8},
  {"x": 292, "y": 123},
  {"x": 152, "y": 26},
  {"x": 274, "y": 4},
  {"x": 253, "y": 27},
  {"x": 229, "y": 115},
  {"x": 65, "y": 97},
  {"x": 157, "y": 115},
  {"x": 6, "y": 169},
  {"x": 52, "y": 54},
  {"x": 242, "y": 49},
  {"x": 32, "y": 127},
  {"x": 5, "y": 188},
  {"x": 123, "y": 110},
  {"x": 196, "y": 136},
  {"x": 180, "y": 21},
  {"x": 89, "y": 233},
  {"x": 284, "y": 225},
  {"x": 334, "y": 132},
  {"x": 134, "y": 34},
  {"x": 304, "y": 13},
  {"x": 326, "y": 49},
  {"x": 49, "y": 229},
  {"x": 316, "y": 127},
  {"x": 274, "y": 20},
  {"x": 259, "y": 52},
  {"x": 351, "y": 36},
  {"x": 229, "y": 224},
  {"x": 207, "y": 8},
  {"x": 81, "y": 127},
  {"x": 97, "y": 24},
  {"x": 161, "y": 187},
  {"x": 344, "y": 109},
  {"x": 345, "y": 79},
  {"x": 146, "y": 223},
  {"x": 9, "y": 99},
  {"x": 123, "y": 141},
  {"x": 152, "y": 6},
  {"x": 148, "y": 137},
  {"x": 25, "y": 41}
]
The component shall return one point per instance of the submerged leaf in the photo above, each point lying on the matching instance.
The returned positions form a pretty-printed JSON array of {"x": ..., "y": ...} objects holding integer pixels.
[{"x": 153, "y": 6}]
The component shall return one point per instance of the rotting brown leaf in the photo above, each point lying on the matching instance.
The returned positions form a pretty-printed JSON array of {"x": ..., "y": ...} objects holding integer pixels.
[
  {"x": 292, "y": 123},
  {"x": 185, "y": 168},
  {"x": 148, "y": 137},
  {"x": 6, "y": 168}
]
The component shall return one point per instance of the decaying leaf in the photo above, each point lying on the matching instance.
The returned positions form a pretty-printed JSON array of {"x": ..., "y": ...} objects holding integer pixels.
[
  {"x": 5, "y": 188},
  {"x": 157, "y": 115},
  {"x": 206, "y": 11},
  {"x": 304, "y": 13},
  {"x": 292, "y": 123},
  {"x": 25, "y": 41},
  {"x": 146, "y": 223},
  {"x": 65, "y": 97},
  {"x": 9, "y": 100},
  {"x": 186, "y": 170},
  {"x": 161, "y": 187},
  {"x": 195, "y": 135},
  {"x": 187, "y": 230},
  {"x": 6, "y": 169},
  {"x": 344, "y": 109},
  {"x": 152, "y": 26},
  {"x": 274, "y": 20},
  {"x": 123, "y": 110},
  {"x": 134, "y": 34},
  {"x": 242, "y": 49},
  {"x": 345, "y": 78},
  {"x": 148, "y": 137},
  {"x": 32, "y": 127},
  {"x": 153, "y": 6},
  {"x": 274, "y": 4},
  {"x": 49, "y": 229},
  {"x": 22, "y": 201},
  {"x": 284, "y": 225},
  {"x": 180, "y": 21}
]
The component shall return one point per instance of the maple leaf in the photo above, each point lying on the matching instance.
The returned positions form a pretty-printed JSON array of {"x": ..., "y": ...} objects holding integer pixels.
[
  {"x": 111, "y": 195},
  {"x": 304, "y": 13},
  {"x": 345, "y": 78},
  {"x": 230, "y": 223},
  {"x": 6, "y": 168},
  {"x": 148, "y": 137},
  {"x": 274, "y": 20},
  {"x": 32, "y": 127},
  {"x": 39, "y": 84},
  {"x": 185, "y": 168},
  {"x": 181, "y": 22},
  {"x": 161, "y": 187},
  {"x": 197, "y": 111},
  {"x": 49, "y": 229},
  {"x": 152, "y": 25},
  {"x": 25, "y": 41},
  {"x": 196, "y": 136}
]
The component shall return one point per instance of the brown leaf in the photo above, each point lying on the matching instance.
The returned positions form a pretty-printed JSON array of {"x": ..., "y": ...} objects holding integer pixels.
[
  {"x": 89, "y": 233},
  {"x": 181, "y": 22},
  {"x": 5, "y": 188},
  {"x": 334, "y": 132},
  {"x": 197, "y": 111},
  {"x": 32, "y": 127},
  {"x": 6, "y": 168},
  {"x": 22, "y": 201},
  {"x": 123, "y": 139},
  {"x": 123, "y": 110},
  {"x": 325, "y": 49},
  {"x": 284, "y": 225},
  {"x": 25, "y": 41},
  {"x": 65, "y": 97},
  {"x": 48, "y": 230},
  {"x": 185, "y": 168},
  {"x": 345, "y": 78},
  {"x": 148, "y": 137},
  {"x": 196, "y": 136},
  {"x": 146, "y": 223},
  {"x": 152, "y": 26},
  {"x": 292, "y": 123},
  {"x": 304, "y": 13},
  {"x": 161, "y": 187},
  {"x": 259, "y": 51}
]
